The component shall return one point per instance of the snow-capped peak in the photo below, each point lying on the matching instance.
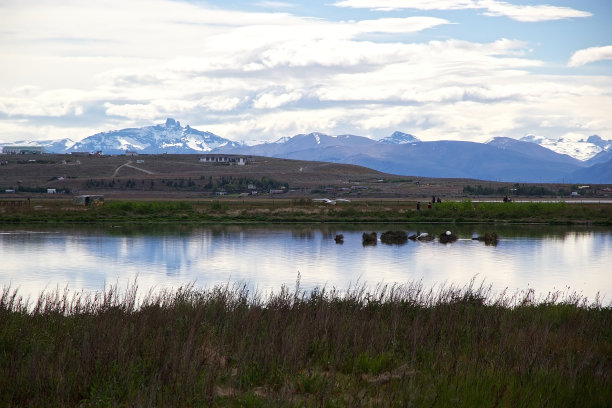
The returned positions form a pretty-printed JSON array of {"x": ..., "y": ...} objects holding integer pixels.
[
  {"x": 169, "y": 137},
  {"x": 400, "y": 138},
  {"x": 581, "y": 150}
]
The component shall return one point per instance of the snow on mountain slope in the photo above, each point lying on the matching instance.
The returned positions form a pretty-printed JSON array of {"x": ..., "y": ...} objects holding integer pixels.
[
  {"x": 51, "y": 146},
  {"x": 582, "y": 150},
  {"x": 170, "y": 137}
]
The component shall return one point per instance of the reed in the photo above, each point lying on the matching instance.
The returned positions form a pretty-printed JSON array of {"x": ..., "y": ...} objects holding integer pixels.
[{"x": 391, "y": 345}]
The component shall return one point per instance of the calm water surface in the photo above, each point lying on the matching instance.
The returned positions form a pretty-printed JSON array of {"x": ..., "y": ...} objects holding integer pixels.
[{"x": 543, "y": 259}]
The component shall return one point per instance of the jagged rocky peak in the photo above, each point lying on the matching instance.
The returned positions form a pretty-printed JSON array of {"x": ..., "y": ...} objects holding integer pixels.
[
  {"x": 400, "y": 138},
  {"x": 170, "y": 123},
  {"x": 597, "y": 141}
]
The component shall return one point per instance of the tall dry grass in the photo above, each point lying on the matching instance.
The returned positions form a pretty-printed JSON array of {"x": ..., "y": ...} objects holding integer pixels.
[{"x": 392, "y": 345}]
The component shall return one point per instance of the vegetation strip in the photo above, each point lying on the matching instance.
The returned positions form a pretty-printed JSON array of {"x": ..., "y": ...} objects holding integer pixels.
[
  {"x": 306, "y": 211},
  {"x": 399, "y": 345}
]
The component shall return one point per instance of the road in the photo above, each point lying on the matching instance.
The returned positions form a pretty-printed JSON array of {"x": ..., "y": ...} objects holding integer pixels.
[{"x": 129, "y": 164}]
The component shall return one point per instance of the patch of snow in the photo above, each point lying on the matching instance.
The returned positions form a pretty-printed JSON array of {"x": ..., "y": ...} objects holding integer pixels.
[
  {"x": 126, "y": 144},
  {"x": 199, "y": 145},
  {"x": 581, "y": 150},
  {"x": 282, "y": 140}
]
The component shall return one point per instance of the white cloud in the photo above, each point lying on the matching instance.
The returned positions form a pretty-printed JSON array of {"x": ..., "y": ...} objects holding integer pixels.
[
  {"x": 270, "y": 126},
  {"x": 24, "y": 130},
  {"x": 588, "y": 55},
  {"x": 220, "y": 103},
  {"x": 396, "y": 25},
  {"x": 390, "y": 5},
  {"x": 530, "y": 14},
  {"x": 132, "y": 111},
  {"x": 30, "y": 101},
  {"x": 434, "y": 72},
  {"x": 273, "y": 100},
  {"x": 261, "y": 76},
  {"x": 274, "y": 4},
  {"x": 492, "y": 8}
]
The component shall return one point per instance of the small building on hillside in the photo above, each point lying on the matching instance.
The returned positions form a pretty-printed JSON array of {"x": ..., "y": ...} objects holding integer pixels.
[
  {"x": 23, "y": 149},
  {"x": 226, "y": 159}
]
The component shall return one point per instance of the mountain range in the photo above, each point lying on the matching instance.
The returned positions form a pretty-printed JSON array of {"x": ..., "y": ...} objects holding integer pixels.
[
  {"x": 170, "y": 137},
  {"x": 531, "y": 159}
]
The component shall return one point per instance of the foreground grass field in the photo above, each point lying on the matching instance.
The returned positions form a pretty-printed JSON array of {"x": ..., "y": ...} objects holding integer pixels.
[
  {"x": 391, "y": 346},
  {"x": 58, "y": 211}
]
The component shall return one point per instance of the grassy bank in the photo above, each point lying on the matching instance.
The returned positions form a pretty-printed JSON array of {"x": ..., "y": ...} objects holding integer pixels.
[
  {"x": 392, "y": 346},
  {"x": 305, "y": 211}
]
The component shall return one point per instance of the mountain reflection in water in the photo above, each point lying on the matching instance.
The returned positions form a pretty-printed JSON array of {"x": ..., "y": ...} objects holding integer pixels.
[{"x": 265, "y": 257}]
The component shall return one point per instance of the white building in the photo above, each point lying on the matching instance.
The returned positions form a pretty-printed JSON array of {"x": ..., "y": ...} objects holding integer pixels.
[
  {"x": 23, "y": 149},
  {"x": 224, "y": 158}
]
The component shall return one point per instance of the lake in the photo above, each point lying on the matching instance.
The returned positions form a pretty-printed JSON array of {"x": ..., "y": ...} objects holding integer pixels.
[{"x": 265, "y": 257}]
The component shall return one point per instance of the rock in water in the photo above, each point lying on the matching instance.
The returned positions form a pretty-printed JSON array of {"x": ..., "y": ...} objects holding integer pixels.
[
  {"x": 369, "y": 239},
  {"x": 447, "y": 237},
  {"x": 394, "y": 237}
]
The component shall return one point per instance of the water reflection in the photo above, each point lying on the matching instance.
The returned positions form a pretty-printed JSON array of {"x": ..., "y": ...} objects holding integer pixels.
[{"x": 545, "y": 259}]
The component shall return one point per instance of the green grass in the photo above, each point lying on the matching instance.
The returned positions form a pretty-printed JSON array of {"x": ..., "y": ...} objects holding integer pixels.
[
  {"x": 400, "y": 345},
  {"x": 303, "y": 211},
  {"x": 558, "y": 212}
]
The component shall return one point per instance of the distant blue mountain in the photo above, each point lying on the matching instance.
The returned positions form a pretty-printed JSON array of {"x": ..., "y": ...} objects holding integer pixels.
[
  {"x": 502, "y": 158},
  {"x": 601, "y": 157},
  {"x": 600, "y": 173}
]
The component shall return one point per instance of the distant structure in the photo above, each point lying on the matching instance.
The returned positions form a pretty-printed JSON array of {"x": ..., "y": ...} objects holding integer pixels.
[
  {"x": 226, "y": 159},
  {"x": 90, "y": 199},
  {"x": 97, "y": 153},
  {"x": 23, "y": 150}
]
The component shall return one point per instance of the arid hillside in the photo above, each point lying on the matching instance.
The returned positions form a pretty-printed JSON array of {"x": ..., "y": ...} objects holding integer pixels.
[{"x": 186, "y": 176}]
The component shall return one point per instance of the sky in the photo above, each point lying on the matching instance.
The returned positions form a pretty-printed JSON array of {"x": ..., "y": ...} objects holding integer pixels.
[{"x": 255, "y": 71}]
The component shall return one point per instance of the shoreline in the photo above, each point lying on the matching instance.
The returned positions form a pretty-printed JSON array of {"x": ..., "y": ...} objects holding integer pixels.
[{"x": 308, "y": 211}]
